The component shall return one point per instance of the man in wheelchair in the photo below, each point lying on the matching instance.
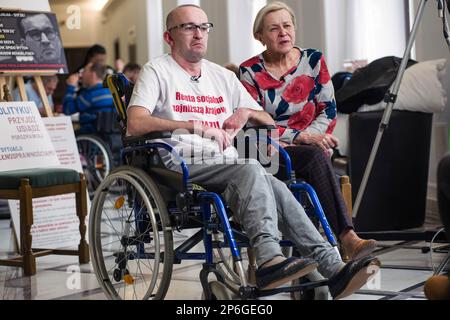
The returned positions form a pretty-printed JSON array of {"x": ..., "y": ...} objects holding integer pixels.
[
  {"x": 183, "y": 93},
  {"x": 91, "y": 99}
]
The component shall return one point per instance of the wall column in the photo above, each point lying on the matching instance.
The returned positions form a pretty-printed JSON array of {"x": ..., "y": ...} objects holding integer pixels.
[
  {"x": 154, "y": 30},
  {"x": 241, "y": 44}
]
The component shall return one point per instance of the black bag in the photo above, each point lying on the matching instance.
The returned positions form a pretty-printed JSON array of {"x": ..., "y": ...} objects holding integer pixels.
[{"x": 369, "y": 84}]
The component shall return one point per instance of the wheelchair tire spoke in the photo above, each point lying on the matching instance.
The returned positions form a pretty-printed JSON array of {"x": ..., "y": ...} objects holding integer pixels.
[{"x": 131, "y": 221}]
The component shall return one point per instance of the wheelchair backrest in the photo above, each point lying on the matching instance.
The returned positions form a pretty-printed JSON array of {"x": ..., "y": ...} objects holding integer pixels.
[
  {"x": 108, "y": 123},
  {"x": 121, "y": 89}
]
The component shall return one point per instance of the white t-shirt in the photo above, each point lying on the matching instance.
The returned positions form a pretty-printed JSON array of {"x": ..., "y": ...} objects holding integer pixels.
[{"x": 168, "y": 92}]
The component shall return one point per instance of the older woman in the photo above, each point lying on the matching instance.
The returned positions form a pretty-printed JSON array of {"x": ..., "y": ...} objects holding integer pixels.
[{"x": 294, "y": 86}]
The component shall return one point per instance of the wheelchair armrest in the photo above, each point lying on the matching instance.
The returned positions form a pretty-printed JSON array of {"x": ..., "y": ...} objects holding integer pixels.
[
  {"x": 268, "y": 140},
  {"x": 148, "y": 136},
  {"x": 257, "y": 128}
]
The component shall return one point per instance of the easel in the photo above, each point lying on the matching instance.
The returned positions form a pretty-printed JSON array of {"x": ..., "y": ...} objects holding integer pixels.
[{"x": 7, "y": 78}]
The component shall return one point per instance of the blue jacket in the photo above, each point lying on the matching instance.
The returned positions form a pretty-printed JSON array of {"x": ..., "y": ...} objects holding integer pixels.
[{"x": 88, "y": 102}]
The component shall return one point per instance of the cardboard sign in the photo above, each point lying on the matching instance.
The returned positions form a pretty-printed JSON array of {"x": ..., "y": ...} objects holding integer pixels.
[
  {"x": 24, "y": 141},
  {"x": 56, "y": 223},
  {"x": 30, "y": 41},
  {"x": 63, "y": 139}
]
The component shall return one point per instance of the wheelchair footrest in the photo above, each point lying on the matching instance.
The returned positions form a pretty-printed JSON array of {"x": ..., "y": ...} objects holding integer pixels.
[{"x": 254, "y": 292}]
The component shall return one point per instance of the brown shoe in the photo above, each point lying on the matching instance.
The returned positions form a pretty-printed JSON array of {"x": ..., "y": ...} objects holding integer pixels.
[
  {"x": 362, "y": 249},
  {"x": 437, "y": 288}
]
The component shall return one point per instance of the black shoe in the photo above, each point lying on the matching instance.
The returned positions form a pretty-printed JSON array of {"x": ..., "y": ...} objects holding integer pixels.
[
  {"x": 283, "y": 272},
  {"x": 353, "y": 276}
]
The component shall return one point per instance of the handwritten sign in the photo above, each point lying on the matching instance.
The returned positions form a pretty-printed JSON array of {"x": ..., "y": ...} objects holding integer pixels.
[
  {"x": 55, "y": 221},
  {"x": 24, "y": 141}
]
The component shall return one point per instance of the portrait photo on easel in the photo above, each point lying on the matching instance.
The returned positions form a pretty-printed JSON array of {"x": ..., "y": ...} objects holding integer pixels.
[{"x": 30, "y": 41}]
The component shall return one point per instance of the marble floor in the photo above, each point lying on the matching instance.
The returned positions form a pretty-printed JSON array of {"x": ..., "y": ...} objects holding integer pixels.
[{"x": 405, "y": 269}]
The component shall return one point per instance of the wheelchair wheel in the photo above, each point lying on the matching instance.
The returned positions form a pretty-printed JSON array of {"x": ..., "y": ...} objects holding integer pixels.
[
  {"x": 319, "y": 293},
  {"x": 96, "y": 160},
  {"x": 130, "y": 236}
]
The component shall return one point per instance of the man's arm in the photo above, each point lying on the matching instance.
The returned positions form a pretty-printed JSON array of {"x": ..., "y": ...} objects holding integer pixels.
[
  {"x": 69, "y": 101},
  {"x": 243, "y": 115},
  {"x": 140, "y": 122}
]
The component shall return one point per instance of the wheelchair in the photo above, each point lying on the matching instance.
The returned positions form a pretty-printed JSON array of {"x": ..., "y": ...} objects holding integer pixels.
[
  {"x": 138, "y": 206},
  {"x": 100, "y": 152}
]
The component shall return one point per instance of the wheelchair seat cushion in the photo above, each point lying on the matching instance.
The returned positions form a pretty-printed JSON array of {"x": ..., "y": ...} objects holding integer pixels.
[
  {"x": 168, "y": 178},
  {"x": 171, "y": 179},
  {"x": 38, "y": 177}
]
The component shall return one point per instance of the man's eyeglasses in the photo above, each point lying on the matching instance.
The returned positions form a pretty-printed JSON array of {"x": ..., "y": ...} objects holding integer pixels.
[
  {"x": 36, "y": 35},
  {"x": 190, "y": 28}
]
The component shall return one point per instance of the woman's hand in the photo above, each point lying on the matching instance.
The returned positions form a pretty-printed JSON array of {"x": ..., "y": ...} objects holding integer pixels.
[{"x": 325, "y": 141}]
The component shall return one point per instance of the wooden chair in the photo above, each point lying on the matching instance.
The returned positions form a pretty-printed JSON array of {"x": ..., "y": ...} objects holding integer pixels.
[{"x": 25, "y": 185}]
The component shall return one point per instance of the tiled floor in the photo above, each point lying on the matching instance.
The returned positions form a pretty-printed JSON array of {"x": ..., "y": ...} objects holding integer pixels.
[{"x": 402, "y": 277}]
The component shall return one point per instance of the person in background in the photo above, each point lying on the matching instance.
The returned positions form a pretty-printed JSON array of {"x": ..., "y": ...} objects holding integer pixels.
[
  {"x": 294, "y": 86},
  {"x": 50, "y": 84},
  {"x": 91, "y": 99},
  {"x": 131, "y": 71},
  {"x": 119, "y": 65},
  {"x": 232, "y": 67},
  {"x": 97, "y": 54}
]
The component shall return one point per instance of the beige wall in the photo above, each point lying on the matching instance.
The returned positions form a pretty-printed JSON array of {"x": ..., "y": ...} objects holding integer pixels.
[
  {"x": 121, "y": 16},
  {"x": 86, "y": 35},
  {"x": 123, "y": 20}
]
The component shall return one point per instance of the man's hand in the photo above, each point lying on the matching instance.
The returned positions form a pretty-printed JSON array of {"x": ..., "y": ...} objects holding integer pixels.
[
  {"x": 324, "y": 141},
  {"x": 220, "y": 136},
  {"x": 119, "y": 65},
  {"x": 73, "y": 79},
  {"x": 237, "y": 121}
]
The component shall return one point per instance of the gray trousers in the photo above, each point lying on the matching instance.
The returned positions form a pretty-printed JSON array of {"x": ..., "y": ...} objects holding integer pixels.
[{"x": 260, "y": 202}]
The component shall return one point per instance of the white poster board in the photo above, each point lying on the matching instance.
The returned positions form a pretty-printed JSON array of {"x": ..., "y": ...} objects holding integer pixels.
[
  {"x": 61, "y": 222},
  {"x": 56, "y": 224},
  {"x": 24, "y": 141},
  {"x": 62, "y": 136},
  {"x": 37, "y": 5}
]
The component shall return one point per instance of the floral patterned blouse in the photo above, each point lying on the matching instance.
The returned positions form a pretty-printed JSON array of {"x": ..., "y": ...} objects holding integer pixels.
[{"x": 302, "y": 100}]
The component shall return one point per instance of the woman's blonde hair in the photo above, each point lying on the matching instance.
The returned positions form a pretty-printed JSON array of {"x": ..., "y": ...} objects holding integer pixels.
[{"x": 270, "y": 7}]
